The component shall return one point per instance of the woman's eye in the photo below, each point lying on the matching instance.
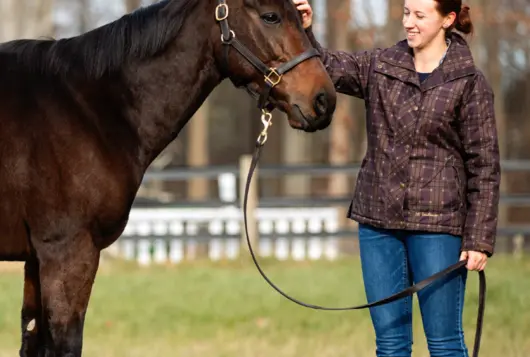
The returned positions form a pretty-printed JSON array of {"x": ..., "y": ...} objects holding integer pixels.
[{"x": 271, "y": 18}]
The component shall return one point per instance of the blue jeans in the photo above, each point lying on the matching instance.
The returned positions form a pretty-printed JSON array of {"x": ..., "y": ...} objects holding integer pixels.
[{"x": 393, "y": 259}]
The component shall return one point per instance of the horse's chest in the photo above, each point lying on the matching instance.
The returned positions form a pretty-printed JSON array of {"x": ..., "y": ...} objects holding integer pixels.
[{"x": 110, "y": 212}]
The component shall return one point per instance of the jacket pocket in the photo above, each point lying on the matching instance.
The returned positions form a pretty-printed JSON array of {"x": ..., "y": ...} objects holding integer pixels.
[
  {"x": 438, "y": 171},
  {"x": 460, "y": 186},
  {"x": 441, "y": 193}
]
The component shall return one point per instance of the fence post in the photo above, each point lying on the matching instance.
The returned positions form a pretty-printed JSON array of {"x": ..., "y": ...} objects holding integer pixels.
[
  {"x": 518, "y": 245},
  {"x": 252, "y": 203}
]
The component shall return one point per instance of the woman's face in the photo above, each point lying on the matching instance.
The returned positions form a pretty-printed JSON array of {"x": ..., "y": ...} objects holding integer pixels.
[{"x": 423, "y": 23}]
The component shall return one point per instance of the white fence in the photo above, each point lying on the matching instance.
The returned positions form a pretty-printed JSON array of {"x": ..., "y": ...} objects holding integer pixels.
[{"x": 172, "y": 235}]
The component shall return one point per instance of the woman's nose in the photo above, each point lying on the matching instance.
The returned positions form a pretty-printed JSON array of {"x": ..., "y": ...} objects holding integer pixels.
[{"x": 408, "y": 22}]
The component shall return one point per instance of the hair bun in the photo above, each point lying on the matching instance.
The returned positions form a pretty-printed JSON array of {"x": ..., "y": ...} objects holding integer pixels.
[{"x": 463, "y": 22}]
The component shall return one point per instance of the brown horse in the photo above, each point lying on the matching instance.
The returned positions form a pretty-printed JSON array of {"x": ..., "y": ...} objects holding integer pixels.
[{"x": 81, "y": 119}]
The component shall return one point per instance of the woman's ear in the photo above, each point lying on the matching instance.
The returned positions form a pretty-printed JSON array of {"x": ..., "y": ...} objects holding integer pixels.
[{"x": 449, "y": 20}]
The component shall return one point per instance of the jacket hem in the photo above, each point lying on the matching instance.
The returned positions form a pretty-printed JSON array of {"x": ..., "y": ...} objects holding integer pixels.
[
  {"x": 404, "y": 225},
  {"x": 422, "y": 227}
]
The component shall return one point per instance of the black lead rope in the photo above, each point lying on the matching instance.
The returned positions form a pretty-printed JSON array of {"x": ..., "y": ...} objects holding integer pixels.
[{"x": 407, "y": 292}]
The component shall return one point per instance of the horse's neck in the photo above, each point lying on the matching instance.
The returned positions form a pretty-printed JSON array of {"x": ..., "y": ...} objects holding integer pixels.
[{"x": 169, "y": 89}]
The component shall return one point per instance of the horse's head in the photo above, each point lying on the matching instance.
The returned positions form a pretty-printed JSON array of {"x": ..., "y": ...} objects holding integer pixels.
[{"x": 263, "y": 47}]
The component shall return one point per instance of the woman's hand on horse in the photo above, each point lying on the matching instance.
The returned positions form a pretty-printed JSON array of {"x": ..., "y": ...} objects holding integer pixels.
[
  {"x": 475, "y": 260},
  {"x": 306, "y": 11}
]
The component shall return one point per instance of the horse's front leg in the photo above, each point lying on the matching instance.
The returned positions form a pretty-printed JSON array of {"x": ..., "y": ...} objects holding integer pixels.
[
  {"x": 32, "y": 323},
  {"x": 68, "y": 267}
]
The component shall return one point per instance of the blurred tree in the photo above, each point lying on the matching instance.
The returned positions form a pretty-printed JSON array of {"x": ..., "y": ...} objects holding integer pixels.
[
  {"x": 341, "y": 141},
  {"x": 485, "y": 45},
  {"x": 26, "y": 19},
  {"x": 85, "y": 12},
  {"x": 394, "y": 27},
  {"x": 131, "y": 5},
  {"x": 197, "y": 151},
  {"x": 295, "y": 149}
]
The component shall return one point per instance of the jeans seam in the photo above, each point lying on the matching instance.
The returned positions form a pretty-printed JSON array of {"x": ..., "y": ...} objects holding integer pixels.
[
  {"x": 405, "y": 284},
  {"x": 459, "y": 319}
]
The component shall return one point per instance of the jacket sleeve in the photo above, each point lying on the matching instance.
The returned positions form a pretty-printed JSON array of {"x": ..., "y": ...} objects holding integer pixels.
[
  {"x": 481, "y": 157},
  {"x": 348, "y": 71}
]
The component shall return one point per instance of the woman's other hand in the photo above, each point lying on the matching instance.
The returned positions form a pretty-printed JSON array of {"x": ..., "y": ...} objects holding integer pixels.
[{"x": 475, "y": 260}]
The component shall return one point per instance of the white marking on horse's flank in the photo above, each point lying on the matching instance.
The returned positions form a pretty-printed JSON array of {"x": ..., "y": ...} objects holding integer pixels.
[{"x": 31, "y": 325}]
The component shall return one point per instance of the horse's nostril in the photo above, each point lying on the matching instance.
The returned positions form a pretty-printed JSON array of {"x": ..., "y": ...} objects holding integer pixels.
[{"x": 321, "y": 104}]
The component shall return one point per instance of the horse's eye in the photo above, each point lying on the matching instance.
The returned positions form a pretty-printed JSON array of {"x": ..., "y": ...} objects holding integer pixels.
[{"x": 271, "y": 18}]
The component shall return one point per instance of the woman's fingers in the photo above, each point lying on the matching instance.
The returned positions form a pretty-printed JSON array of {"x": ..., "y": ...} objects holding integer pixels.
[
  {"x": 305, "y": 10},
  {"x": 476, "y": 260}
]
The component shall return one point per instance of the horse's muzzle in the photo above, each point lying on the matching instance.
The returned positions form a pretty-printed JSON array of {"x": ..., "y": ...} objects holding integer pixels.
[
  {"x": 309, "y": 123},
  {"x": 323, "y": 107}
]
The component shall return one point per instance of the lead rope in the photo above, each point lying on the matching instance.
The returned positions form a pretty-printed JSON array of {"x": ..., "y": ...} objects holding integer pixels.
[{"x": 266, "y": 119}]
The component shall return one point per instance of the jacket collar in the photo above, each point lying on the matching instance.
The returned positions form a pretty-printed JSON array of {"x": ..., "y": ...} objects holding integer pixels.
[{"x": 397, "y": 61}]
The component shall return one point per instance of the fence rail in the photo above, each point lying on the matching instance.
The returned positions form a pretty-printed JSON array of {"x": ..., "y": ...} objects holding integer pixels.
[
  {"x": 285, "y": 227},
  {"x": 520, "y": 200},
  {"x": 213, "y": 172},
  {"x": 174, "y": 235}
]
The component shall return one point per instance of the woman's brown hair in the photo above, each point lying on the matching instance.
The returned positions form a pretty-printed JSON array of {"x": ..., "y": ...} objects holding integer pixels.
[{"x": 462, "y": 21}]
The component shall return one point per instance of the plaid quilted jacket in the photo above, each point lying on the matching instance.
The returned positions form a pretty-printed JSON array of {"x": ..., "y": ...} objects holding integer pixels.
[{"x": 432, "y": 162}]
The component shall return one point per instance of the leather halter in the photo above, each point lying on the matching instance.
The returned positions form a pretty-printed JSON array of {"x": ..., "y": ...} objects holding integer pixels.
[{"x": 272, "y": 75}]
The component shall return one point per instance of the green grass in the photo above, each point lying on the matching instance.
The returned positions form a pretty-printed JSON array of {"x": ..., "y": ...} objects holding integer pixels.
[{"x": 227, "y": 309}]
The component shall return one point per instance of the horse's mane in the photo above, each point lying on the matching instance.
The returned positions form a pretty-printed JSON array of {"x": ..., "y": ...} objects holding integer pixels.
[{"x": 138, "y": 35}]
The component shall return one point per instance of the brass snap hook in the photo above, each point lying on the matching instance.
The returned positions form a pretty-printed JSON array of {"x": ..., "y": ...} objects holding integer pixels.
[{"x": 266, "y": 120}]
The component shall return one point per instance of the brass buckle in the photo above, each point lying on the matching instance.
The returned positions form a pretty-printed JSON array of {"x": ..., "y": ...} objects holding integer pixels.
[
  {"x": 217, "y": 11},
  {"x": 273, "y": 81}
]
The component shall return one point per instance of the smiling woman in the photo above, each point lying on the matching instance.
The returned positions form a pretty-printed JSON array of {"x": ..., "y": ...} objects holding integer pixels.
[{"x": 427, "y": 193}]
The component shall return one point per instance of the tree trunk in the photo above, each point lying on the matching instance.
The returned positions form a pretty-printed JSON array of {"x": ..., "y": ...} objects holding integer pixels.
[
  {"x": 394, "y": 27},
  {"x": 26, "y": 19},
  {"x": 485, "y": 46},
  {"x": 84, "y": 16},
  {"x": 340, "y": 133},
  {"x": 197, "y": 151},
  {"x": 493, "y": 71},
  {"x": 296, "y": 149},
  {"x": 131, "y": 5}
]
